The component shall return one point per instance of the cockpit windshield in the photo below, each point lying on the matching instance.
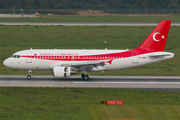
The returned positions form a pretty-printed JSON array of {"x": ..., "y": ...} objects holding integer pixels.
[{"x": 15, "y": 56}]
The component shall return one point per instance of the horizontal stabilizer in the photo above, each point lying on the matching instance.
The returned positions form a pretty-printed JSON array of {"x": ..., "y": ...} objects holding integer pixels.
[{"x": 158, "y": 56}]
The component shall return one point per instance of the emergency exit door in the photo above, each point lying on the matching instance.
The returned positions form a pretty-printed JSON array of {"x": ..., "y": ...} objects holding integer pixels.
[{"x": 135, "y": 57}]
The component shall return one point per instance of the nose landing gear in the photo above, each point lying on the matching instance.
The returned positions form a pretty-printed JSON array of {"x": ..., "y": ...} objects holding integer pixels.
[{"x": 29, "y": 75}]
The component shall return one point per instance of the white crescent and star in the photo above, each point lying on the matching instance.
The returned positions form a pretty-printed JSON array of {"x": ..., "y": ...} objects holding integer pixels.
[{"x": 154, "y": 36}]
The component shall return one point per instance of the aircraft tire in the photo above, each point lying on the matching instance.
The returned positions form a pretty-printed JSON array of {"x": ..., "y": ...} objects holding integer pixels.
[
  {"x": 86, "y": 77},
  {"x": 82, "y": 76},
  {"x": 28, "y": 77}
]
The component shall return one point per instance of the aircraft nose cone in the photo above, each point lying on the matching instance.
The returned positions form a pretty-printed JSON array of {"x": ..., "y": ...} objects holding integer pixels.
[{"x": 6, "y": 63}]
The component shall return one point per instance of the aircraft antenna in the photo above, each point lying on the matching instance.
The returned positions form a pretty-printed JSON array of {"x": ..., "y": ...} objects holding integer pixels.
[{"x": 105, "y": 45}]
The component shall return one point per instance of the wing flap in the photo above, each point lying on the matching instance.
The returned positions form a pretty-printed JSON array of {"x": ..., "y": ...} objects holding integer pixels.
[
  {"x": 94, "y": 63},
  {"x": 89, "y": 65}
]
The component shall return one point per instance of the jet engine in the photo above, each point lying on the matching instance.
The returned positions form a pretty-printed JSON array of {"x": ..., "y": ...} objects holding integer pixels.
[{"x": 59, "y": 71}]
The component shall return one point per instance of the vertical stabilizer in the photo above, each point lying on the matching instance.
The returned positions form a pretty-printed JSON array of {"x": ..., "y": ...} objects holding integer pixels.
[{"x": 156, "y": 41}]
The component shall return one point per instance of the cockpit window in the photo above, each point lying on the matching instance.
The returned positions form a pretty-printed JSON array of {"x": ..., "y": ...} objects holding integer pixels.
[{"x": 15, "y": 56}]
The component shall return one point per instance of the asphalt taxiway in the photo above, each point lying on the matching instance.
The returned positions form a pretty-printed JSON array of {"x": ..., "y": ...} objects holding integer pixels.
[{"x": 94, "y": 81}]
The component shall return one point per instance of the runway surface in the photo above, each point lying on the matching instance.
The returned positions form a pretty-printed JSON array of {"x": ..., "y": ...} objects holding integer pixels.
[
  {"x": 17, "y": 15},
  {"x": 94, "y": 81},
  {"x": 83, "y": 24}
]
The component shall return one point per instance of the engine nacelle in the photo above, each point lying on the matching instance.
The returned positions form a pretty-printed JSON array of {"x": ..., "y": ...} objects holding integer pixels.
[{"x": 60, "y": 72}]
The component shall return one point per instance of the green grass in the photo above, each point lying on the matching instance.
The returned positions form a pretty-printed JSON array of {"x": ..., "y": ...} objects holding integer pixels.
[
  {"x": 83, "y": 104},
  {"x": 16, "y": 38},
  {"x": 138, "y": 112},
  {"x": 69, "y": 18}
]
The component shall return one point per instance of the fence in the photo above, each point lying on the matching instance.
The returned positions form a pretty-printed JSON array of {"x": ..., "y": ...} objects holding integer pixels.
[
  {"x": 75, "y": 11},
  {"x": 142, "y": 11}
]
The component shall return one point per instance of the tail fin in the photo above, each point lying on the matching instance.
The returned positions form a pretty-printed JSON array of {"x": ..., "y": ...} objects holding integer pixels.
[{"x": 156, "y": 41}]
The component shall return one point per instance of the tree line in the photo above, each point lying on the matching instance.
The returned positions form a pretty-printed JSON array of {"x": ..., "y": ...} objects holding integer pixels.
[{"x": 88, "y": 4}]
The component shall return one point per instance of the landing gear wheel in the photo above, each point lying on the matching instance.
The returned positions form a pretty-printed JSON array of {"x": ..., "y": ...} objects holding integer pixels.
[
  {"x": 28, "y": 77},
  {"x": 82, "y": 76},
  {"x": 85, "y": 77}
]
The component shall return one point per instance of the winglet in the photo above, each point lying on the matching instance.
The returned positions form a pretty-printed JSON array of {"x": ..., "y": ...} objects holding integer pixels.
[{"x": 110, "y": 62}]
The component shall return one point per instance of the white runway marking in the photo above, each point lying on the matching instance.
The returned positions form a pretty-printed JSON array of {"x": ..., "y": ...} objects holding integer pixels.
[{"x": 131, "y": 82}]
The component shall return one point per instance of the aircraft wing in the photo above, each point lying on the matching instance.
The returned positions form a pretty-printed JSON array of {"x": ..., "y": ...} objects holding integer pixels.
[{"x": 89, "y": 65}]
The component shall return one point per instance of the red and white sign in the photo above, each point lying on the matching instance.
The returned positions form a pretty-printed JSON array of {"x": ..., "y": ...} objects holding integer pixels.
[{"x": 115, "y": 102}]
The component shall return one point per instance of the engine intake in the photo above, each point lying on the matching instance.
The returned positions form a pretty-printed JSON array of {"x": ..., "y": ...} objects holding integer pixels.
[{"x": 61, "y": 71}]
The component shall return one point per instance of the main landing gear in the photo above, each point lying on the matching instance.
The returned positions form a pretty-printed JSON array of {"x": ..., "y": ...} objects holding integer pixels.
[
  {"x": 85, "y": 77},
  {"x": 29, "y": 75}
]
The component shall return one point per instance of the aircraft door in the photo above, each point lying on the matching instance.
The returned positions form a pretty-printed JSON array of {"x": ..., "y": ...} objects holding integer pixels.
[
  {"x": 29, "y": 57},
  {"x": 134, "y": 57}
]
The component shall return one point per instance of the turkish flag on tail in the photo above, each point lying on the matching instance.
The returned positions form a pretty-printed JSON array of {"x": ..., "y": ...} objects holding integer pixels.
[{"x": 156, "y": 41}]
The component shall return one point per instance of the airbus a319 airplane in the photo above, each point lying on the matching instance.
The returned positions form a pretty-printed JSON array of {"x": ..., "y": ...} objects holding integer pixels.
[{"x": 64, "y": 63}]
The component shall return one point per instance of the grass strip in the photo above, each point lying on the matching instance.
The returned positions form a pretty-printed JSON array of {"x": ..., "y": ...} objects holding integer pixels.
[
  {"x": 117, "y": 18},
  {"x": 140, "y": 112},
  {"x": 83, "y": 103}
]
